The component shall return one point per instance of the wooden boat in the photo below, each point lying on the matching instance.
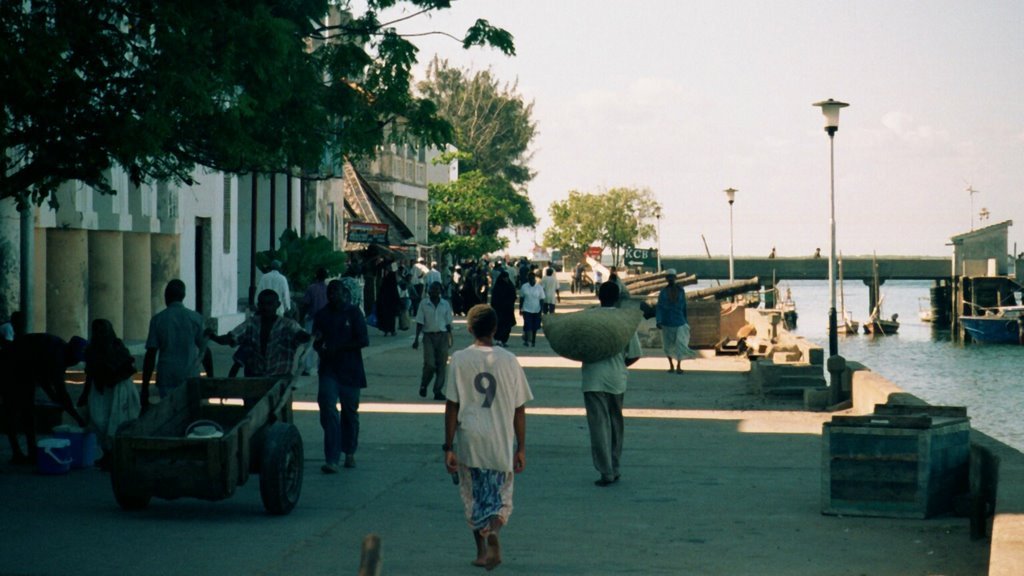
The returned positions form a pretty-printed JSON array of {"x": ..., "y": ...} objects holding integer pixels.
[
  {"x": 846, "y": 324},
  {"x": 789, "y": 314},
  {"x": 999, "y": 325},
  {"x": 881, "y": 326},
  {"x": 875, "y": 324},
  {"x": 924, "y": 309}
]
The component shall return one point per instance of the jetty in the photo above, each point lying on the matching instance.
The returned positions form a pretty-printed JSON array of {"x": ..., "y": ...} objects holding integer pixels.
[{"x": 719, "y": 477}]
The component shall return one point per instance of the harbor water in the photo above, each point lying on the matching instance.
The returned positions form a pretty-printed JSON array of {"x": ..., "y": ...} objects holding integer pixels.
[{"x": 923, "y": 360}]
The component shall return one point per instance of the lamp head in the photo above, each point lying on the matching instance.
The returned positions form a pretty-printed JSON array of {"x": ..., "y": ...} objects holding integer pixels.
[
  {"x": 830, "y": 108},
  {"x": 730, "y": 193}
]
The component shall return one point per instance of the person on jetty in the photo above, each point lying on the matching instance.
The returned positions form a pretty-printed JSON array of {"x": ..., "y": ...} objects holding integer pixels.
[
  {"x": 670, "y": 315},
  {"x": 604, "y": 389},
  {"x": 339, "y": 332},
  {"x": 434, "y": 321},
  {"x": 271, "y": 341},
  {"x": 485, "y": 431}
]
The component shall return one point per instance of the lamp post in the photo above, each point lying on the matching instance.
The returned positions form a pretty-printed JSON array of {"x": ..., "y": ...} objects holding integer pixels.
[
  {"x": 657, "y": 215},
  {"x": 730, "y": 193},
  {"x": 830, "y": 108}
]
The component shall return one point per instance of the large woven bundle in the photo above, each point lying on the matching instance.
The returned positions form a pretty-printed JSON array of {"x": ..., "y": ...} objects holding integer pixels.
[{"x": 591, "y": 335}]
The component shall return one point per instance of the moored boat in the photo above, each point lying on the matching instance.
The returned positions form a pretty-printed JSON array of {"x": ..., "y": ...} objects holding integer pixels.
[
  {"x": 999, "y": 325},
  {"x": 881, "y": 326}
]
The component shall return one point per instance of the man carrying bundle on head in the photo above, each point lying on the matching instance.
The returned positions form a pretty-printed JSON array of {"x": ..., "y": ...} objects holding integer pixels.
[{"x": 604, "y": 389}]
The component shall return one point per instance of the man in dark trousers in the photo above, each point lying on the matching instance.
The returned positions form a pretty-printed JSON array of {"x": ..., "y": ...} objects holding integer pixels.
[
  {"x": 339, "y": 332},
  {"x": 434, "y": 320}
]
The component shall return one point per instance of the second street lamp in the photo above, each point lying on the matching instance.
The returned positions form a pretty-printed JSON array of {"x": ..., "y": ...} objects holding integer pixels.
[
  {"x": 730, "y": 193},
  {"x": 830, "y": 108}
]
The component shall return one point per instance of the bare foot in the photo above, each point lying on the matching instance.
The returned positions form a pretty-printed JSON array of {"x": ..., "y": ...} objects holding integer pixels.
[
  {"x": 481, "y": 550},
  {"x": 493, "y": 552}
]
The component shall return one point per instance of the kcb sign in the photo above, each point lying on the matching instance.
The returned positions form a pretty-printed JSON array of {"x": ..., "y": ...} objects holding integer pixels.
[{"x": 646, "y": 257}]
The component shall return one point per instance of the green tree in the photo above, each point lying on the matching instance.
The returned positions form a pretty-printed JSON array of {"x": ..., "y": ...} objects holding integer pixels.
[
  {"x": 575, "y": 225},
  {"x": 468, "y": 214},
  {"x": 616, "y": 218},
  {"x": 300, "y": 258},
  {"x": 492, "y": 122},
  {"x": 625, "y": 218},
  {"x": 159, "y": 86}
]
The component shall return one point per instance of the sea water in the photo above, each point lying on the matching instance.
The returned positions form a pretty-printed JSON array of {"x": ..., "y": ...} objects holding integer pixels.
[{"x": 922, "y": 359}]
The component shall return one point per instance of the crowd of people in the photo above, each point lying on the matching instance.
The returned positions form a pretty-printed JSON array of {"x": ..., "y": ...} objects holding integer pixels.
[{"x": 484, "y": 386}]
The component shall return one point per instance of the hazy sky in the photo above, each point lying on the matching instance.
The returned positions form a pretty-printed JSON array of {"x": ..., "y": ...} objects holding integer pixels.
[{"x": 688, "y": 98}]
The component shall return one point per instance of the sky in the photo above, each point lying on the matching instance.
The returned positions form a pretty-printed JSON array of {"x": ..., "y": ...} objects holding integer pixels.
[{"x": 690, "y": 98}]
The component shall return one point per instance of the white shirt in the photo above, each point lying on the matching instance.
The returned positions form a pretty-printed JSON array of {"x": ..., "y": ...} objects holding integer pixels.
[
  {"x": 550, "y": 284},
  {"x": 609, "y": 375},
  {"x": 419, "y": 271},
  {"x": 432, "y": 276},
  {"x": 532, "y": 296},
  {"x": 276, "y": 281},
  {"x": 435, "y": 318},
  {"x": 488, "y": 384}
]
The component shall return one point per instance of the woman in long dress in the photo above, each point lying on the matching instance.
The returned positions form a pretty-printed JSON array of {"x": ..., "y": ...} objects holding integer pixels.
[
  {"x": 388, "y": 303},
  {"x": 109, "y": 390},
  {"x": 503, "y": 300}
]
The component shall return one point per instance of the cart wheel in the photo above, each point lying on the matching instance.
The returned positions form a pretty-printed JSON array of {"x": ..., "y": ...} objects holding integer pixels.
[
  {"x": 281, "y": 468},
  {"x": 129, "y": 495}
]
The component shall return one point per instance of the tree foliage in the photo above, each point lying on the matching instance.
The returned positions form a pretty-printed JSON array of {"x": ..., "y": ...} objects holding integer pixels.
[
  {"x": 159, "y": 86},
  {"x": 492, "y": 122},
  {"x": 468, "y": 214},
  {"x": 617, "y": 218},
  {"x": 300, "y": 257},
  {"x": 493, "y": 131}
]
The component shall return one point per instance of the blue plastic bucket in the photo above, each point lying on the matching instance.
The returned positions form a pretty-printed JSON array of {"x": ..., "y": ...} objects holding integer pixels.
[
  {"x": 83, "y": 445},
  {"x": 53, "y": 456}
]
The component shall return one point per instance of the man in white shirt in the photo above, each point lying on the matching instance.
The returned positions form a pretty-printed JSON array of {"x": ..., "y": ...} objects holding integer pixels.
[
  {"x": 485, "y": 431},
  {"x": 531, "y": 299},
  {"x": 604, "y": 389},
  {"x": 419, "y": 274},
  {"x": 434, "y": 320},
  {"x": 432, "y": 275},
  {"x": 274, "y": 280}
]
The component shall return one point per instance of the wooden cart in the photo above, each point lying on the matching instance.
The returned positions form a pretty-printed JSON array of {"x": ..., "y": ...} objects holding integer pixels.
[{"x": 153, "y": 456}]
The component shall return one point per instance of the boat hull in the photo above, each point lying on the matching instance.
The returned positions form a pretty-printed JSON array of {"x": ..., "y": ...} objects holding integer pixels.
[
  {"x": 992, "y": 330},
  {"x": 881, "y": 327}
]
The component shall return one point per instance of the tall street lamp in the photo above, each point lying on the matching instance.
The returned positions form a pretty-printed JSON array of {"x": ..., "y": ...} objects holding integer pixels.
[
  {"x": 657, "y": 215},
  {"x": 730, "y": 193},
  {"x": 830, "y": 108}
]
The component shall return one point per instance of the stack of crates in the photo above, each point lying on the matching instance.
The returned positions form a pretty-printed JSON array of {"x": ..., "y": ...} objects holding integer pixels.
[{"x": 900, "y": 462}]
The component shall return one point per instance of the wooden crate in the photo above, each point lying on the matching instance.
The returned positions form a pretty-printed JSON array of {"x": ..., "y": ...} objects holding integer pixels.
[
  {"x": 902, "y": 465},
  {"x": 705, "y": 317}
]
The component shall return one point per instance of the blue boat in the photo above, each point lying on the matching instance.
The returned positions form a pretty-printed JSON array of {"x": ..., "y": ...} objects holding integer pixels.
[{"x": 999, "y": 325}]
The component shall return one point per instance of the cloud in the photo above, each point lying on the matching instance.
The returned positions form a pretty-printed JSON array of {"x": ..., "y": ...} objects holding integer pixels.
[{"x": 904, "y": 127}]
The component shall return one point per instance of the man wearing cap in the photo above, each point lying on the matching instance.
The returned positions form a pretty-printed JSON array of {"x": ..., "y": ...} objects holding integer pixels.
[
  {"x": 274, "y": 280},
  {"x": 670, "y": 314},
  {"x": 419, "y": 274}
]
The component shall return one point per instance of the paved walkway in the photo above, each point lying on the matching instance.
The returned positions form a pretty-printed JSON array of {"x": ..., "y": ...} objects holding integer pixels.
[{"x": 715, "y": 481}]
